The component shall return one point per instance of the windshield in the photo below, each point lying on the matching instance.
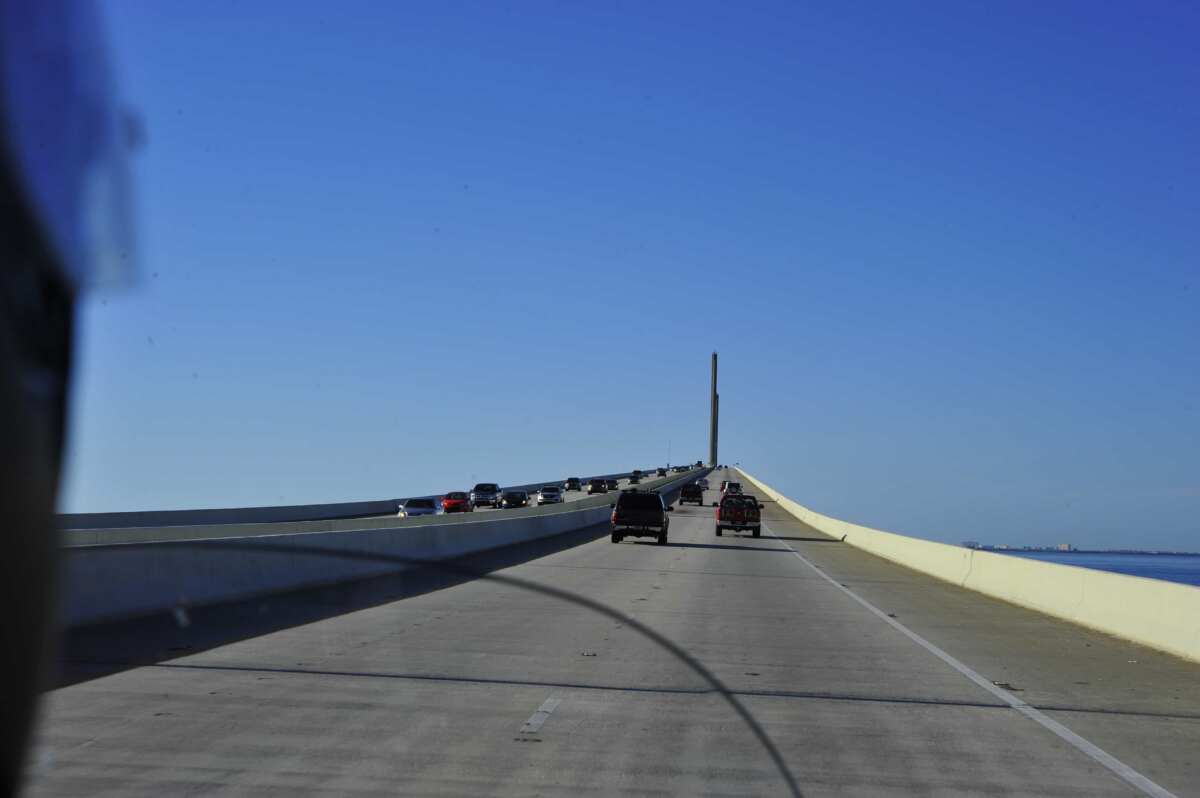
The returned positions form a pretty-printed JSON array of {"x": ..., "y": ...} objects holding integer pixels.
[
  {"x": 639, "y": 501},
  {"x": 961, "y": 373}
]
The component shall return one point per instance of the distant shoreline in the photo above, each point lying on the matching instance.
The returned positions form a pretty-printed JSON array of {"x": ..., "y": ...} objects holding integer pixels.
[{"x": 1084, "y": 551}]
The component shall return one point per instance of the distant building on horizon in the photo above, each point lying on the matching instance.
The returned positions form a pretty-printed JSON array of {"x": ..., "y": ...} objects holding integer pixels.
[
  {"x": 1065, "y": 547},
  {"x": 971, "y": 544}
]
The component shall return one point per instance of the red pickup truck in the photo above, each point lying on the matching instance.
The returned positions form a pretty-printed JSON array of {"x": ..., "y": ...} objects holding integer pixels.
[{"x": 739, "y": 512}]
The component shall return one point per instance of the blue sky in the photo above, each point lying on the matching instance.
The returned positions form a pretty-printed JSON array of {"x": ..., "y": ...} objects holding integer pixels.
[{"x": 948, "y": 253}]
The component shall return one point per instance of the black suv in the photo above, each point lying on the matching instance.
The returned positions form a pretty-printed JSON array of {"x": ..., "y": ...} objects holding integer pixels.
[
  {"x": 691, "y": 493},
  {"x": 640, "y": 515},
  {"x": 660, "y": 472},
  {"x": 485, "y": 493},
  {"x": 572, "y": 484}
]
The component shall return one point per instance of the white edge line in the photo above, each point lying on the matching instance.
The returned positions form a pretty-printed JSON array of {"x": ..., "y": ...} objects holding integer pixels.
[{"x": 1125, "y": 772}]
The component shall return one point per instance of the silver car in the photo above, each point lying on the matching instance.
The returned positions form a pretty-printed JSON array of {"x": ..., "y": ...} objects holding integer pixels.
[
  {"x": 411, "y": 508},
  {"x": 550, "y": 494}
]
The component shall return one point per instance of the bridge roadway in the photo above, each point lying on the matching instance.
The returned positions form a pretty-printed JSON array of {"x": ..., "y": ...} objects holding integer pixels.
[{"x": 439, "y": 692}]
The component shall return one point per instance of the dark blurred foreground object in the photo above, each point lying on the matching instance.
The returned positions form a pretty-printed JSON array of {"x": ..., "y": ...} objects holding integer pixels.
[{"x": 65, "y": 224}]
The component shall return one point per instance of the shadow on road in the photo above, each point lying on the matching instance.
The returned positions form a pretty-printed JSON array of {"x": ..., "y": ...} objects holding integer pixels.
[
  {"x": 808, "y": 540},
  {"x": 89, "y": 652},
  {"x": 670, "y": 544}
]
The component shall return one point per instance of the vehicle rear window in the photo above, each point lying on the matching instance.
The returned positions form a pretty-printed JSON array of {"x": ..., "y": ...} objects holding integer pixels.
[
  {"x": 550, "y": 489},
  {"x": 639, "y": 501},
  {"x": 514, "y": 494},
  {"x": 419, "y": 504},
  {"x": 487, "y": 486},
  {"x": 456, "y": 494}
]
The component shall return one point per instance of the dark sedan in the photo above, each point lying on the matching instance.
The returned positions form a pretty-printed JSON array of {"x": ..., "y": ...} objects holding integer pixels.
[{"x": 513, "y": 498}]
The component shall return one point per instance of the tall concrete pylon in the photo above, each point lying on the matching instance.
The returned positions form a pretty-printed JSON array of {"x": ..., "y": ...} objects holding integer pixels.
[{"x": 715, "y": 412}]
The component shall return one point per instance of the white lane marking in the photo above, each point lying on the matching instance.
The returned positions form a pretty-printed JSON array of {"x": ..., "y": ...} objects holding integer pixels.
[
  {"x": 1109, "y": 761},
  {"x": 538, "y": 718}
]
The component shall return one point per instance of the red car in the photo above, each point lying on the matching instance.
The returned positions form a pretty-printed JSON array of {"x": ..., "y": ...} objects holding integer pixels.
[
  {"x": 457, "y": 501},
  {"x": 739, "y": 512}
]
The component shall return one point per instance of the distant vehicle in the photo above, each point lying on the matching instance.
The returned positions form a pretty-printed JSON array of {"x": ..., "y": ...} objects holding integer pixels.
[
  {"x": 611, "y": 484},
  {"x": 691, "y": 493},
  {"x": 572, "y": 484},
  {"x": 660, "y": 472},
  {"x": 732, "y": 487},
  {"x": 513, "y": 498},
  {"x": 597, "y": 486},
  {"x": 635, "y": 478},
  {"x": 699, "y": 464},
  {"x": 703, "y": 483},
  {"x": 485, "y": 493},
  {"x": 415, "y": 507},
  {"x": 550, "y": 494},
  {"x": 456, "y": 501},
  {"x": 641, "y": 515},
  {"x": 739, "y": 512},
  {"x": 724, "y": 484},
  {"x": 680, "y": 469}
]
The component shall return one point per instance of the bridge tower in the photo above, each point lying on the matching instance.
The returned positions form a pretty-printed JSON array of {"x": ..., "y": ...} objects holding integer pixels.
[{"x": 714, "y": 413}]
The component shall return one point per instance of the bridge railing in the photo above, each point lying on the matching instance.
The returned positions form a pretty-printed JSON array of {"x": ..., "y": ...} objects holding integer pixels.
[
  {"x": 180, "y": 567},
  {"x": 1155, "y": 613}
]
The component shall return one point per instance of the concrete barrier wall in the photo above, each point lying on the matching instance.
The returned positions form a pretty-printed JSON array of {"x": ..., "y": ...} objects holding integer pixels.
[
  {"x": 256, "y": 515},
  {"x": 241, "y": 528},
  {"x": 111, "y": 581},
  {"x": 1163, "y": 615}
]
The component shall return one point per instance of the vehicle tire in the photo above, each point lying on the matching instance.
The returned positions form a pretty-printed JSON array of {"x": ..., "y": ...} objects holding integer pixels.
[
  {"x": 757, "y": 531},
  {"x": 616, "y": 538},
  {"x": 718, "y": 530},
  {"x": 662, "y": 538}
]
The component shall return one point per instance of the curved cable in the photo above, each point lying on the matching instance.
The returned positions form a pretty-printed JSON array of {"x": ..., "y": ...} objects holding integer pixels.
[{"x": 716, "y": 685}]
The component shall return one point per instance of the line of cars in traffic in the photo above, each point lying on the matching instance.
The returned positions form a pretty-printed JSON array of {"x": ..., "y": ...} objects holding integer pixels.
[
  {"x": 644, "y": 514},
  {"x": 490, "y": 494}
]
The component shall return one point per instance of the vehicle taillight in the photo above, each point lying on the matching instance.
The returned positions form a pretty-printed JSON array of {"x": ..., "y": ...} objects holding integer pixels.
[{"x": 613, "y": 518}]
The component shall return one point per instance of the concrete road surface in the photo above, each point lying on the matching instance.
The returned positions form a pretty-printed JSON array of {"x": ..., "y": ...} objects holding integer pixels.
[{"x": 482, "y": 689}]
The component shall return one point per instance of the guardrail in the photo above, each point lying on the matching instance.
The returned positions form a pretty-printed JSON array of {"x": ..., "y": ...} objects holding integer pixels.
[
  {"x": 1162, "y": 615},
  {"x": 201, "y": 565}
]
